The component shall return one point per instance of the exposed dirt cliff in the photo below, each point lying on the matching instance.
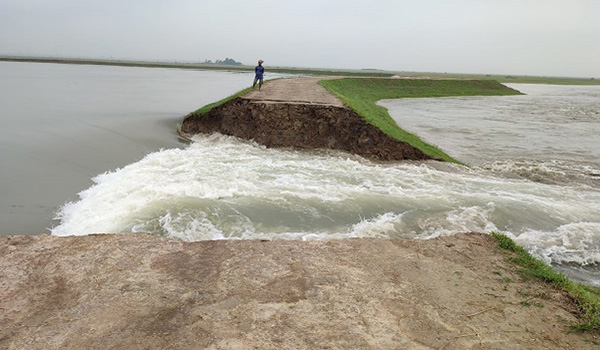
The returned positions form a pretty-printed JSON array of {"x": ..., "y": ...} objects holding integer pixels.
[{"x": 301, "y": 125}]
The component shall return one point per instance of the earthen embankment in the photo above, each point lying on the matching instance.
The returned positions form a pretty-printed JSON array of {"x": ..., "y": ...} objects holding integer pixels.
[{"x": 299, "y": 113}]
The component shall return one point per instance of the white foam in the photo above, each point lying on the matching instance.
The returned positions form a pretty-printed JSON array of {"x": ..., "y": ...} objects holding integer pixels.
[
  {"x": 570, "y": 243},
  {"x": 223, "y": 188},
  {"x": 460, "y": 220}
]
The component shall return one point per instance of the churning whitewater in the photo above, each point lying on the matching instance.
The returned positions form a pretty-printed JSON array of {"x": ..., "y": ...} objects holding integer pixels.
[{"x": 224, "y": 188}]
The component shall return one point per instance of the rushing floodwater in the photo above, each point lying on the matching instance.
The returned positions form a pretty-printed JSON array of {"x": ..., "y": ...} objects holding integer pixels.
[
  {"x": 548, "y": 142},
  {"x": 535, "y": 176}
]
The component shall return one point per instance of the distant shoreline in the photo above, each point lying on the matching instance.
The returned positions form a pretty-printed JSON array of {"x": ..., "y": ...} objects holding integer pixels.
[
  {"x": 181, "y": 65},
  {"x": 308, "y": 71}
]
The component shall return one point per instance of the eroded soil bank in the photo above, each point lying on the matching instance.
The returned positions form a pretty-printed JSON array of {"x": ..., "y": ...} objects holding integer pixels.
[
  {"x": 137, "y": 291},
  {"x": 300, "y": 125}
]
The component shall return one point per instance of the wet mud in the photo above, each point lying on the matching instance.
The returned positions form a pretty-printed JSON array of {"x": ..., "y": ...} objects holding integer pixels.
[{"x": 300, "y": 125}]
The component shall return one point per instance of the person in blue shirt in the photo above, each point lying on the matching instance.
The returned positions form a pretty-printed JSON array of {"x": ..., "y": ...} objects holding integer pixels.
[{"x": 258, "y": 71}]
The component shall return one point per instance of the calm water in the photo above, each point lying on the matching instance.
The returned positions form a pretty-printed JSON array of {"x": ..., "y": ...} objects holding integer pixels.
[{"x": 526, "y": 180}]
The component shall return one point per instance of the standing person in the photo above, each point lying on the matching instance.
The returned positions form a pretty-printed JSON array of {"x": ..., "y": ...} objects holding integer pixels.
[{"x": 258, "y": 71}]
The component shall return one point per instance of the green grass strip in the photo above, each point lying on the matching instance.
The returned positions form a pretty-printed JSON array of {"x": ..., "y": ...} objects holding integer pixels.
[
  {"x": 361, "y": 95},
  {"x": 210, "y": 106},
  {"x": 586, "y": 298}
]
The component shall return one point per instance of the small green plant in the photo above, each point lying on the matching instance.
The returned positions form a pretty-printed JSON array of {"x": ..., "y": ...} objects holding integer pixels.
[
  {"x": 586, "y": 298},
  {"x": 499, "y": 273},
  {"x": 210, "y": 106},
  {"x": 524, "y": 293},
  {"x": 507, "y": 280},
  {"x": 589, "y": 341},
  {"x": 531, "y": 303}
]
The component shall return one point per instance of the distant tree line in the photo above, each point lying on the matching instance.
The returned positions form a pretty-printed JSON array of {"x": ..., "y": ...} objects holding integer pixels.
[{"x": 229, "y": 61}]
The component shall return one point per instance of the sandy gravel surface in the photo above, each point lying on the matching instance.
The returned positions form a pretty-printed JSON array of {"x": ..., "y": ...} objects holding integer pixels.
[
  {"x": 299, "y": 90},
  {"x": 138, "y": 291}
]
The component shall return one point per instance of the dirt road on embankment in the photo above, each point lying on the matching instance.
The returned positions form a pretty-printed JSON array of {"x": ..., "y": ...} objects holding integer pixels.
[
  {"x": 295, "y": 90},
  {"x": 299, "y": 113}
]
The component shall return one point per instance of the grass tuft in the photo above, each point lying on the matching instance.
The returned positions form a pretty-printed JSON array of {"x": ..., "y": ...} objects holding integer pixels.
[
  {"x": 362, "y": 94},
  {"x": 587, "y": 299},
  {"x": 210, "y": 106}
]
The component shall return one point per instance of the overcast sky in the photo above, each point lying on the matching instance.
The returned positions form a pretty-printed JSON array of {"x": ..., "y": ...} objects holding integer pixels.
[{"x": 529, "y": 37}]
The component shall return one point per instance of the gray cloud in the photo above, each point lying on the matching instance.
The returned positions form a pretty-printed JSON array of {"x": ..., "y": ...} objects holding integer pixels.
[{"x": 535, "y": 37}]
